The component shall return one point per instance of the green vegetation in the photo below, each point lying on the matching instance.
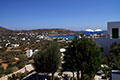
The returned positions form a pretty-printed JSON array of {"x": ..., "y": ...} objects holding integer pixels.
[
  {"x": 1, "y": 71},
  {"x": 114, "y": 56},
  {"x": 83, "y": 55},
  {"x": 112, "y": 60},
  {"x": 17, "y": 76},
  {"x": 49, "y": 56},
  {"x": 8, "y": 58}
]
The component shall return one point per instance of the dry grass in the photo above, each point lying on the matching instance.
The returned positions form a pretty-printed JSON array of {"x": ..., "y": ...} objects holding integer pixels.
[{"x": 4, "y": 65}]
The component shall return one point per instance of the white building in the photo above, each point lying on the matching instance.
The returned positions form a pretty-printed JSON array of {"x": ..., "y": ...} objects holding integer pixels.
[
  {"x": 114, "y": 29},
  {"x": 6, "y": 45},
  {"x": 62, "y": 50},
  {"x": 112, "y": 35},
  {"x": 35, "y": 51},
  {"x": 15, "y": 45},
  {"x": 29, "y": 53},
  {"x": 23, "y": 39},
  {"x": 0, "y": 47}
]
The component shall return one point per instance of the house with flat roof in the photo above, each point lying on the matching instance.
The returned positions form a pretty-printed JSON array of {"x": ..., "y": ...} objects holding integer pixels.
[
  {"x": 113, "y": 35},
  {"x": 114, "y": 30}
]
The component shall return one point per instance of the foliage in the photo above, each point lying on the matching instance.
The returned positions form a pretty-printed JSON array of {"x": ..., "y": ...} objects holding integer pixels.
[
  {"x": 11, "y": 55},
  {"x": 86, "y": 77},
  {"x": 49, "y": 56},
  {"x": 16, "y": 76},
  {"x": 104, "y": 60},
  {"x": 2, "y": 49},
  {"x": 10, "y": 70},
  {"x": 1, "y": 71},
  {"x": 114, "y": 56},
  {"x": 112, "y": 59},
  {"x": 7, "y": 71},
  {"x": 115, "y": 48},
  {"x": 22, "y": 61},
  {"x": 20, "y": 64},
  {"x": 13, "y": 65},
  {"x": 83, "y": 54}
]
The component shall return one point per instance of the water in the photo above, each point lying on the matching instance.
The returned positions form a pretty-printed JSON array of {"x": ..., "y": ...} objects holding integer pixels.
[
  {"x": 64, "y": 36},
  {"x": 72, "y": 36}
]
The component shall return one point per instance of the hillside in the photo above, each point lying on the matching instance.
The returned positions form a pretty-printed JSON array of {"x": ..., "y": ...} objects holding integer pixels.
[
  {"x": 50, "y": 31},
  {"x": 4, "y": 31}
]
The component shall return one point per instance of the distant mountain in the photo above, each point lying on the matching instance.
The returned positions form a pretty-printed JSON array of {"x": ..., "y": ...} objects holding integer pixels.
[
  {"x": 4, "y": 31},
  {"x": 50, "y": 31}
]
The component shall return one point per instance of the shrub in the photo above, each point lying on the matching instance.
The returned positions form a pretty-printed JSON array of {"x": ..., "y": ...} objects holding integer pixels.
[
  {"x": 86, "y": 77},
  {"x": 16, "y": 76}
]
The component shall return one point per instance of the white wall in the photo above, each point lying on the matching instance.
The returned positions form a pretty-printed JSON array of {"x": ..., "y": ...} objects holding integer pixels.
[
  {"x": 105, "y": 43},
  {"x": 29, "y": 53},
  {"x": 111, "y": 25}
]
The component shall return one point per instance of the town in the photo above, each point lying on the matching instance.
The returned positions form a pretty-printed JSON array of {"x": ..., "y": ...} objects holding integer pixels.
[
  {"x": 59, "y": 40},
  {"x": 18, "y": 49}
]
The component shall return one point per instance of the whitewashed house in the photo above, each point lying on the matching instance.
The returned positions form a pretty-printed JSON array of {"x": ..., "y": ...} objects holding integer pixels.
[
  {"x": 15, "y": 45},
  {"x": 0, "y": 47},
  {"x": 112, "y": 35},
  {"x": 29, "y": 53},
  {"x": 6, "y": 45},
  {"x": 23, "y": 39},
  {"x": 35, "y": 51},
  {"x": 62, "y": 50},
  {"x": 114, "y": 29}
]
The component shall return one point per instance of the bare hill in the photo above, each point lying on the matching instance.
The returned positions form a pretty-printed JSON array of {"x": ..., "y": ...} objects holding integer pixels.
[{"x": 4, "y": 31}]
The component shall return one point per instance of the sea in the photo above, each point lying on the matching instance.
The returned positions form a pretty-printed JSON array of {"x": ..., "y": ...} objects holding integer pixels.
[{"x": 72, "y": 36}]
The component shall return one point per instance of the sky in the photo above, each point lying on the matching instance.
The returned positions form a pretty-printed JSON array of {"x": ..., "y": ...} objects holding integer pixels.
[{"x": 67, "y": 14}]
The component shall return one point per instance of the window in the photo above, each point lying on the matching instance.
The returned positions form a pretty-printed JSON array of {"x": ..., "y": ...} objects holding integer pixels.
[
  {"x": 101, "y": 49},
  {"x": 115, "y": 33}
]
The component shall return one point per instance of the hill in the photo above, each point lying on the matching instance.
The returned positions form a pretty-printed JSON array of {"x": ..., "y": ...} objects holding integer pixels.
[
  {"x": 51, "y": 31},
  {"x": 4, "y": 31}
]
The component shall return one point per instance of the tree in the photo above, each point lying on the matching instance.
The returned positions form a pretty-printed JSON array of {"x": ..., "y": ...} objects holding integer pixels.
[
  {"x": 112, "y": 59},
  {"x": 23, "y": 60},
  {"x": 70, "y": 57},
  {"x": 49, "y": 56},
  {"x": 115, "y": 48},
  {"x": 91, "y": 59},
  {"x": 114, "y": 56},
  {"x": 84, "y": 54}
]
